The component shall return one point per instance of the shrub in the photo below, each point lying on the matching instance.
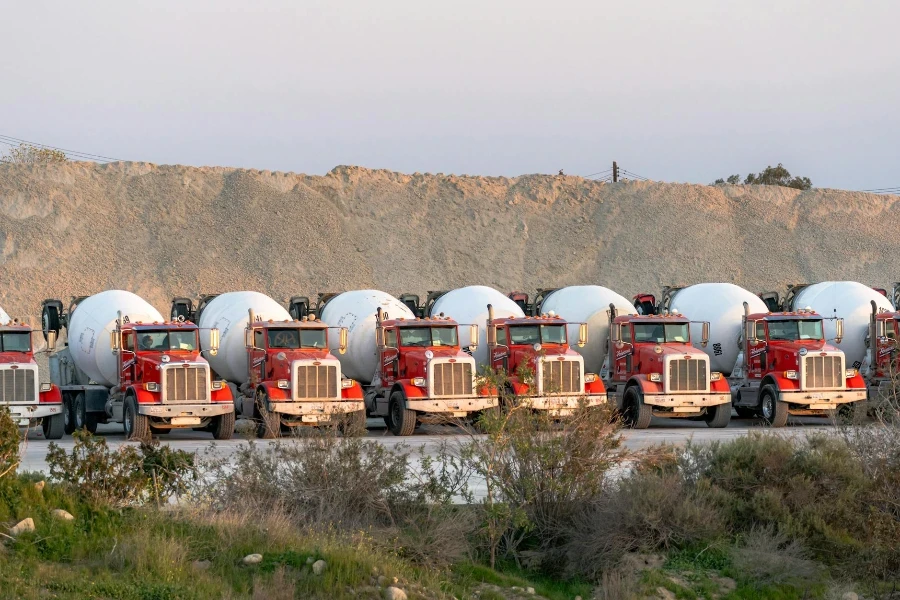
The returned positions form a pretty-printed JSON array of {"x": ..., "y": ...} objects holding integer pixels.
[
  {"x": 771, "y": 557},
  {"x": 9, "y": 443},
  {"x": 127, "y": 476}
]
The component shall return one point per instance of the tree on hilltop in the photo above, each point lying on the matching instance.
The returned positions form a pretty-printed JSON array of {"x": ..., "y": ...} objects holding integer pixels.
[
  {"x": 770, "y": 176},
  {"x": 26, "y": 154}
]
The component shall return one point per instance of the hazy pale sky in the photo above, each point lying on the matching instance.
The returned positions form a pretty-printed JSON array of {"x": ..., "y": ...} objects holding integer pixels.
[{"x": 675, "y": 91}]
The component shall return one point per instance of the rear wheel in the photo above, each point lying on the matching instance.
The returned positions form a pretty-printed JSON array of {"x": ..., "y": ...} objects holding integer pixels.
[
  {"x": 222, "y": 426},
  {"x": 718, "y": 416},
  {"x": 68, "y": 414},
  {"x": 54, "y": 427},
  {"x": 136, "y": 425},
  {"x": 773, "y": 411},
  {"x": 403, "y": 420},
  {"x": 637, "y": 415},
  {"x": 269, "y": 426}
]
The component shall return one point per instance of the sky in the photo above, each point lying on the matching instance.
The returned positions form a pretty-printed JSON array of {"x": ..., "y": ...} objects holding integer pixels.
[{"x": 682, "y": 91}]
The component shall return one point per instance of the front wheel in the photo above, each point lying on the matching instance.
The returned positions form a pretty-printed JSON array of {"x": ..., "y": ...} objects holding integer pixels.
[
  {"x": 54, "y": 427},
  {"x": 136, "y": 425},
  {"x": 637, "y": 415},
  {"x": 403, "y": 420},
  {"x": 222, "y": 426},
  {"x": 773, "y": 411},
  {"x": 718, "y": 416},
  {"x": 68, "y": 414},
  {"x": 269, "y": 426}
]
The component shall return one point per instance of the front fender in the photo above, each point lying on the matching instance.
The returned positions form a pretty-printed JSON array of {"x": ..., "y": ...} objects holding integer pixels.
[
  {"x": 51, "y": 396},
  {"x": 143, "y": 396},
  {"x": 595, "y": 387},
  {"x": 857, "y": 382},
  {"x": 410, "y": 391},
  {"x": 354, "y": 392},
  {"x": 222, "y": 395},
  {"x": 720, "y": 387},
  {"x": 647, "y": 386},
  {"x": 782, "y": 383},
  {"x": 275, "y": 393}
]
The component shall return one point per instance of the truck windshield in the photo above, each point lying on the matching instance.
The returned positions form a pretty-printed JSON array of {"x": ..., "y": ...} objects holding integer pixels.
[
  {"x": 534, "y": 334},
  {"x": 428, "y": 336},
  {"x": 15, "y": 341},
  {"x": 296, "y": 338},
  {"x": 166, "y": 341},
  {"x": 659, "y": 333},
  {"x": 800, "y": 329}
]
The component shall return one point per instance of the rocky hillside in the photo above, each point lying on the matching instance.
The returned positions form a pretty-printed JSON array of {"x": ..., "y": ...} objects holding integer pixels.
[{"x": 161, "y": 231}]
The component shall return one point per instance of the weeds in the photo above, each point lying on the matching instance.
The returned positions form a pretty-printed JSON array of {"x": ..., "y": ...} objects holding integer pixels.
[{"x": 9, "y": 443}]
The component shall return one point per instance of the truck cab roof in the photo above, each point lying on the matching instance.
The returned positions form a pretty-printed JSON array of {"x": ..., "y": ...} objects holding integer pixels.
[
  {"x": 541, "y": 320},
  {"x": 293, "y": 323},
  {"x": 667, "y": 318},
  {"x": 139, "y": 326},
  {"x": 420, "y": 322},
  {"x": 785, "y": 316}
]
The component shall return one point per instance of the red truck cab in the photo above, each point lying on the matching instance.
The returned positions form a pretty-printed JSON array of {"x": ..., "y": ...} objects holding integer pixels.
[
  {"x": 786, "y": 366},
  {"x": 294, "y": 380},
  {"x": 423, "y": 373},
  {"x": 21, "y": 391},
  {"x": 540, "y": 367},
  {"x": 652, "y": 370}
]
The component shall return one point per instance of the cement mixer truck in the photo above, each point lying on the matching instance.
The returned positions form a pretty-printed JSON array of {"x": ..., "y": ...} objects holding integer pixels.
[
  {"x": 281, "y": 371},
  {"x": 777, "y": 363},
  {"x": 647, "y": 363},
  {"x": 29, "y": 400},
  {"x": 532, "y": 352},
  {"x": 124, "y": 363},
  {"x": 870, "y": 326},
  {"x": 413, "y": 370}
]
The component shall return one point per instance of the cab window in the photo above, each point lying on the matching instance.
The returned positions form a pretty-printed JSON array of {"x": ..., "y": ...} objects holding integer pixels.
[
  {"x": 501, "y": 336},
  {"x": 128, "y": 342},
  {"x": 889, "y": 331},
  {"x": 259, "y": 340},
  {"x": 761, "y": 331},
  {"x": 626, "y": 333}
]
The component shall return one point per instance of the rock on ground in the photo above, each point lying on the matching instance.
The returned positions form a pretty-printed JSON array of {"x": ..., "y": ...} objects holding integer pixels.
[
  {"x": 62, "y": 515},
  {"x": 319, "y": 567},
  {"x": 21, "y": 527},
  {"x": 394, "y": 593},
  {"x": 252, "y": 559}
]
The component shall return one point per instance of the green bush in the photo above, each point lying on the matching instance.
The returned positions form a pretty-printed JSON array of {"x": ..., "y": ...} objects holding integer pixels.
[
  {"x": 9, "y": 444},
  {"x": 128, "y": 476}
]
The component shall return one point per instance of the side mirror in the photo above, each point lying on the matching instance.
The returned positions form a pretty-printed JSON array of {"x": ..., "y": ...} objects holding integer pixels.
[
  {"x": 379, "y": 336},
  {"x": 51, "y": 341},
  {"x": 248, "y": 338},
  {"x": 213, "y": 341},
  {"x": 114, "y": 341},
  {"x": 491, "y": 336},
  {"x": 705, "y": 334},
  {"x": 839, "y": 331},
  {"x": 582, "y": 335},
  {"x": 750, "y": 333},
  {"x": 616, "y": 335},
  {"x": 473, "y": 337},
  {"x": 342, "y": 347}
]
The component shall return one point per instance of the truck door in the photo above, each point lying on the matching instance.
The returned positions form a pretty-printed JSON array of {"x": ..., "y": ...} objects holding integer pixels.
[
  {"x": 756, "y": 363},
  {"x": 128, "y": 359},
  {"x": 500, "y": 354},
  {"x": 258, "y": 357},
  {"x": 390, "y": 358},
  {"x": 624, "y": 355}
]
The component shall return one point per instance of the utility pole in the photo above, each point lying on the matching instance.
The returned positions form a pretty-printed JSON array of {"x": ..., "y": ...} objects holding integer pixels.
[{"x": 615, "y": 172}]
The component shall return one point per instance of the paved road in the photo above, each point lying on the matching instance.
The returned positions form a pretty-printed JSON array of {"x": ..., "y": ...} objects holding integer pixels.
[{"x": 661, "y": 431}]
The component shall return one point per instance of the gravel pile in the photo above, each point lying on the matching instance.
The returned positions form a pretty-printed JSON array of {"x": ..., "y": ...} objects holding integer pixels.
[{"x": 162, "y": 231}]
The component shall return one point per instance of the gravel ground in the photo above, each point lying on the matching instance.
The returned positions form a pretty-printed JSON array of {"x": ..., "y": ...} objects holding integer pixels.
[{"x": 161, "y": 231}]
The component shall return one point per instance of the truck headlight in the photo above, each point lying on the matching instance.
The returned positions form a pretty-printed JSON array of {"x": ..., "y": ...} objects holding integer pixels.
[
  {"x": 655, "y": 377},
  {"x": 418, "y": 381},
  {"x": 151, "y": 387},
  {"x": 590, "y": 377},
  {"x": 851, "y": 373},
  {"x": 218, "y": 385},
  {"x": 45, "y": 387},
  {"x": 715, "y": 376},
  {"x": 347, "y": 383},
  {"x": 283, "y": 384},
  {"x": 791, "y": 375}
]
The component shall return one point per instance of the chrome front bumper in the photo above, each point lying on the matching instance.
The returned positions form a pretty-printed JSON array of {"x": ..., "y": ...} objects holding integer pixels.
[{"x": 686, "y": 402}]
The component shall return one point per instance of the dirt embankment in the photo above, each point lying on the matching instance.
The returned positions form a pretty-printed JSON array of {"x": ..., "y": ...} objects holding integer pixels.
[{"x": 161, "y": 231}]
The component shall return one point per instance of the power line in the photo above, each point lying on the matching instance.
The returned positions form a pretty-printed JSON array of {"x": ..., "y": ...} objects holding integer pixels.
[
  {"x": 8, "y": 140},
  {"x": 888, "y": 190},
  {"x": 609, "y": 170}
]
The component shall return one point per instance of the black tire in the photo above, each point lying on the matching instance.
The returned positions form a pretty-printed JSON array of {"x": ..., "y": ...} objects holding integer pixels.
[
  {"x": 136, "y": 425},
  {"x": 50, "y": 320},
  {"x": 68, "y": 414},
  {"x": 744, "y": 412},
  {"x": 403, "y": 420},
  {"x": 718, "y": 416},
  {"x": 269, "y": 424},
  {"x": 845, "y": 414},
  {"x": 637, "y": 415},
  {"x": 222, "y": 426},
  {"x": 773, "y": 411},
  {"x": 54, "y": 427}
]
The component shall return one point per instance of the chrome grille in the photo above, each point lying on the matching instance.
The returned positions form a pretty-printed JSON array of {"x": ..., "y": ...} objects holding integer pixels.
[
  {"x": 185, "y": 384},
  {"x": 823, "y": 372},
  {"x": 451, "y": 379},
  {"x": 687, "y": 375},
  {"x": 17, "y": 385},
  {"x": 316, "y": 381},
  {"x": 561, "y": 377}
]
